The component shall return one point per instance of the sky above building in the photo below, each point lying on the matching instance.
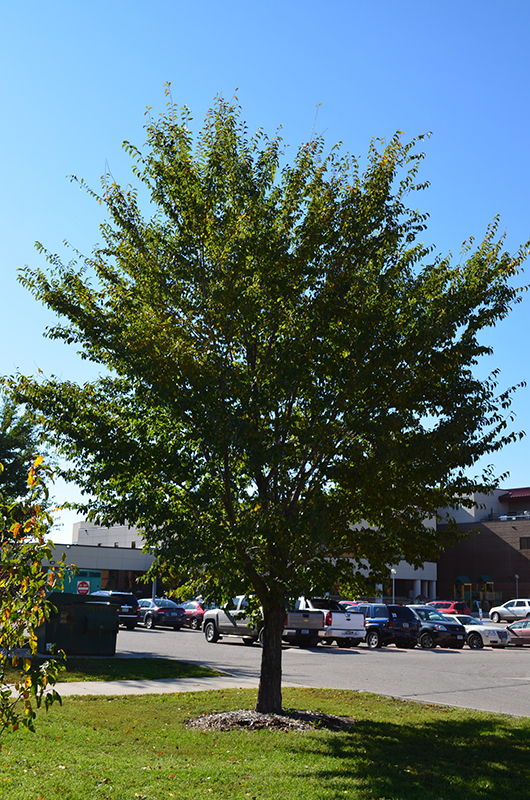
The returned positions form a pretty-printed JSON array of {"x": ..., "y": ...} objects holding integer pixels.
[{"x": 78, "y": 80}]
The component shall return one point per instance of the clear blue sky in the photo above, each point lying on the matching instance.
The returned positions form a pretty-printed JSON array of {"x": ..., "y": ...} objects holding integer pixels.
[{"x": 77, "y": 79}]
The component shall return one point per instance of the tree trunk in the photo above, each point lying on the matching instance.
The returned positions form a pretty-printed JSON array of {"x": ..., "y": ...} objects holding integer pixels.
[{"x": 270, "y": 683}]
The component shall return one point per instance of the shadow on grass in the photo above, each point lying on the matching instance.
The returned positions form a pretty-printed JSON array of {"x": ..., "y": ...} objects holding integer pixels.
[
  {"x": 434, "y": 760},
  {"x": 79, "y": 668}
]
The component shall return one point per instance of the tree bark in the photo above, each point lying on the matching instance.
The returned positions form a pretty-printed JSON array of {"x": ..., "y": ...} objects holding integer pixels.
[{"x": 270, "y": 685}]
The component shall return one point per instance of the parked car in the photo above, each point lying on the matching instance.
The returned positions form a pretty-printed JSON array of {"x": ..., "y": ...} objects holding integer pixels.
[
  {"x": 389, "y": 625},
  {"x": 450, "y": 606},
  {"x": 194, "y": 613},
  {"x": 519, "y": 632},
  {"x": 302, "y": 627},
  {"x": 127, "y": 602},
  {"x": 511, "y": 610},
  {"x": 479, "y": 633},
  {"x": 347, "y": 604},
  {"x": 161, "y": 611},
  {"x": 438, "y": 630},
  {"x": 344, "y": 626}
]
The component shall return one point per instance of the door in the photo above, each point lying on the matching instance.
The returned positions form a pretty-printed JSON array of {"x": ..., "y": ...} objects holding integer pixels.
[{"x": 233, "y": 619}]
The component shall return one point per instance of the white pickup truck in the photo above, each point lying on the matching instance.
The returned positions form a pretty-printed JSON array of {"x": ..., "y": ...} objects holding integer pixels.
[
  {"x": 302, "y": 626},
  {"x": 347, "y": 628}
]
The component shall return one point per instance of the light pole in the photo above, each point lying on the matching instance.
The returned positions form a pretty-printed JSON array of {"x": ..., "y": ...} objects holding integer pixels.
[
  {"x": 517, "y": 586},
  {"x": 393, "y": 571}
]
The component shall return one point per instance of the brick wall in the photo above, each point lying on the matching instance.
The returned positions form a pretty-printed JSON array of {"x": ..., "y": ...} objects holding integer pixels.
[{"x": 492, "y": 548}]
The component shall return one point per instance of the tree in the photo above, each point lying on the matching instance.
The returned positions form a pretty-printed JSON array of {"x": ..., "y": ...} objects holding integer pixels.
[
  {"x": 290, "y": 385},
  {"x": 24, "y": 586},
  {"x": 20, "y": 444}
]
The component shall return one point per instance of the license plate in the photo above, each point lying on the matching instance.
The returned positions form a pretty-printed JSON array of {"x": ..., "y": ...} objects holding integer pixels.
[
  {"x": 305, "y": 630},
  {"x": 459, "y": 636},
  {"x": 405, "y": 624}
]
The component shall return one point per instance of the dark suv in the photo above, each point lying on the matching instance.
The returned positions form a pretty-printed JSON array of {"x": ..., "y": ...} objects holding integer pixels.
[
  {"x": 438, "y": 630},
  {"x": 389, "y": 625},
  {"x": 127, "y": 603}
]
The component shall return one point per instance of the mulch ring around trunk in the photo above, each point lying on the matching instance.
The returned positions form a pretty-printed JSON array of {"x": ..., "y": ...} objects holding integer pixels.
[{"x": 291, "y": 719}]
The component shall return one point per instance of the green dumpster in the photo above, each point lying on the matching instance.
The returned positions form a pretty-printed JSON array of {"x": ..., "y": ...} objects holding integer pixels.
[{"x": 81, "y": 626}]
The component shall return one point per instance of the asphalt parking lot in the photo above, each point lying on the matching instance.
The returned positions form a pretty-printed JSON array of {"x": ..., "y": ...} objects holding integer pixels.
[{"x": 487, "y": 679}]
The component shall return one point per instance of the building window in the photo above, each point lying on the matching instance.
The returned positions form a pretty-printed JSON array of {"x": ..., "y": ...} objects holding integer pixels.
[
  {"x": 116, "y": 544},
  {"x": 524, "y": 543},
  {"x": 133, "y": 545}
]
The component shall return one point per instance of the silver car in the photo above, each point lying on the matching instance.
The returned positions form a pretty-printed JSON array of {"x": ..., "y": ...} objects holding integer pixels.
[
  {"x": 510, "y": 611},
  {"x": 479, "y": 634}
]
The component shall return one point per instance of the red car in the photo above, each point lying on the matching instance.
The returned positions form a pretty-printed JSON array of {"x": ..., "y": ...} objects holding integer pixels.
[
  {"x": 348, "y": 604},
  {"x": 519, "y": 632},
  {"x": 194, "y": 613},
  {"x": 450, "y": 606}
]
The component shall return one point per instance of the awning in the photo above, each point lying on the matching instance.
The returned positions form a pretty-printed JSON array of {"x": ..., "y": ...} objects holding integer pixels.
[{"x": 515, "y": 494}]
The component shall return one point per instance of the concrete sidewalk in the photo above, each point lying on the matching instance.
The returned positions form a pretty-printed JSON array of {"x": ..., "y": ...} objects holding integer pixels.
[{"x": 162, "y": 686}]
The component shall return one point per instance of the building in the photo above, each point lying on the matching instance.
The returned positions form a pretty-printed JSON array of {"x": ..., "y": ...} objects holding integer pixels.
[
  {"x": 87, "y": 533},
  {"x": 492, "y": 562},
  {"x": 106, "y": 558},
  {"x": 411, "y": 583},
  {"x": 116, "y": 553}
]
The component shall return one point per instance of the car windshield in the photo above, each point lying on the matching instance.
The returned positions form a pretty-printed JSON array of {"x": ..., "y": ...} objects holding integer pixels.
[
  {"x": 165, "y": 603},
  {"x": 430, "y": 614},
  {"x": 464, "y": 619},
  {"x": 323, "y": 604},
  {"x": 121, "y": 599}
]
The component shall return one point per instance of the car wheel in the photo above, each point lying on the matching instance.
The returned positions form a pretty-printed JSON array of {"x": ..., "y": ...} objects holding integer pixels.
[
  {"x": 528, "y": 616},
  {"x": 355, "y": 642},
  {"x": 131, "y": 626},
  {"x": 373, "y": 639},
  {"x": 261, "y": 636},
  {"x": 326, "y": 642},
  {"x": 474, "y": 640},
  {"x": 149, "y": 622},
  {"x": 248, "y": 640},
  {"x": 210, "y": 632},
  {"x": 177, "y": 627},
  {"x": 343, "y": 642},
  {"x": 194, "y": 623},
  {"x": 459, "y": 646},
  {"x": 495, "y": 617},
  {"x": 427, "y": 641}
]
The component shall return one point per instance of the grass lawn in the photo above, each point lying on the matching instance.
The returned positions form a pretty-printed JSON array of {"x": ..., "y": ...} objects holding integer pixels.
[
  {"x": 122, "y": 669},
  {"x": 137, "y": 748}
]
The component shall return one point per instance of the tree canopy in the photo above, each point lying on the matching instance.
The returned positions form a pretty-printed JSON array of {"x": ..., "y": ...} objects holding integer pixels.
[
  {"x": 20, "y": 443},
  {"x": 24, "y": 586},
  {"x": 288, "y": 387}
]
